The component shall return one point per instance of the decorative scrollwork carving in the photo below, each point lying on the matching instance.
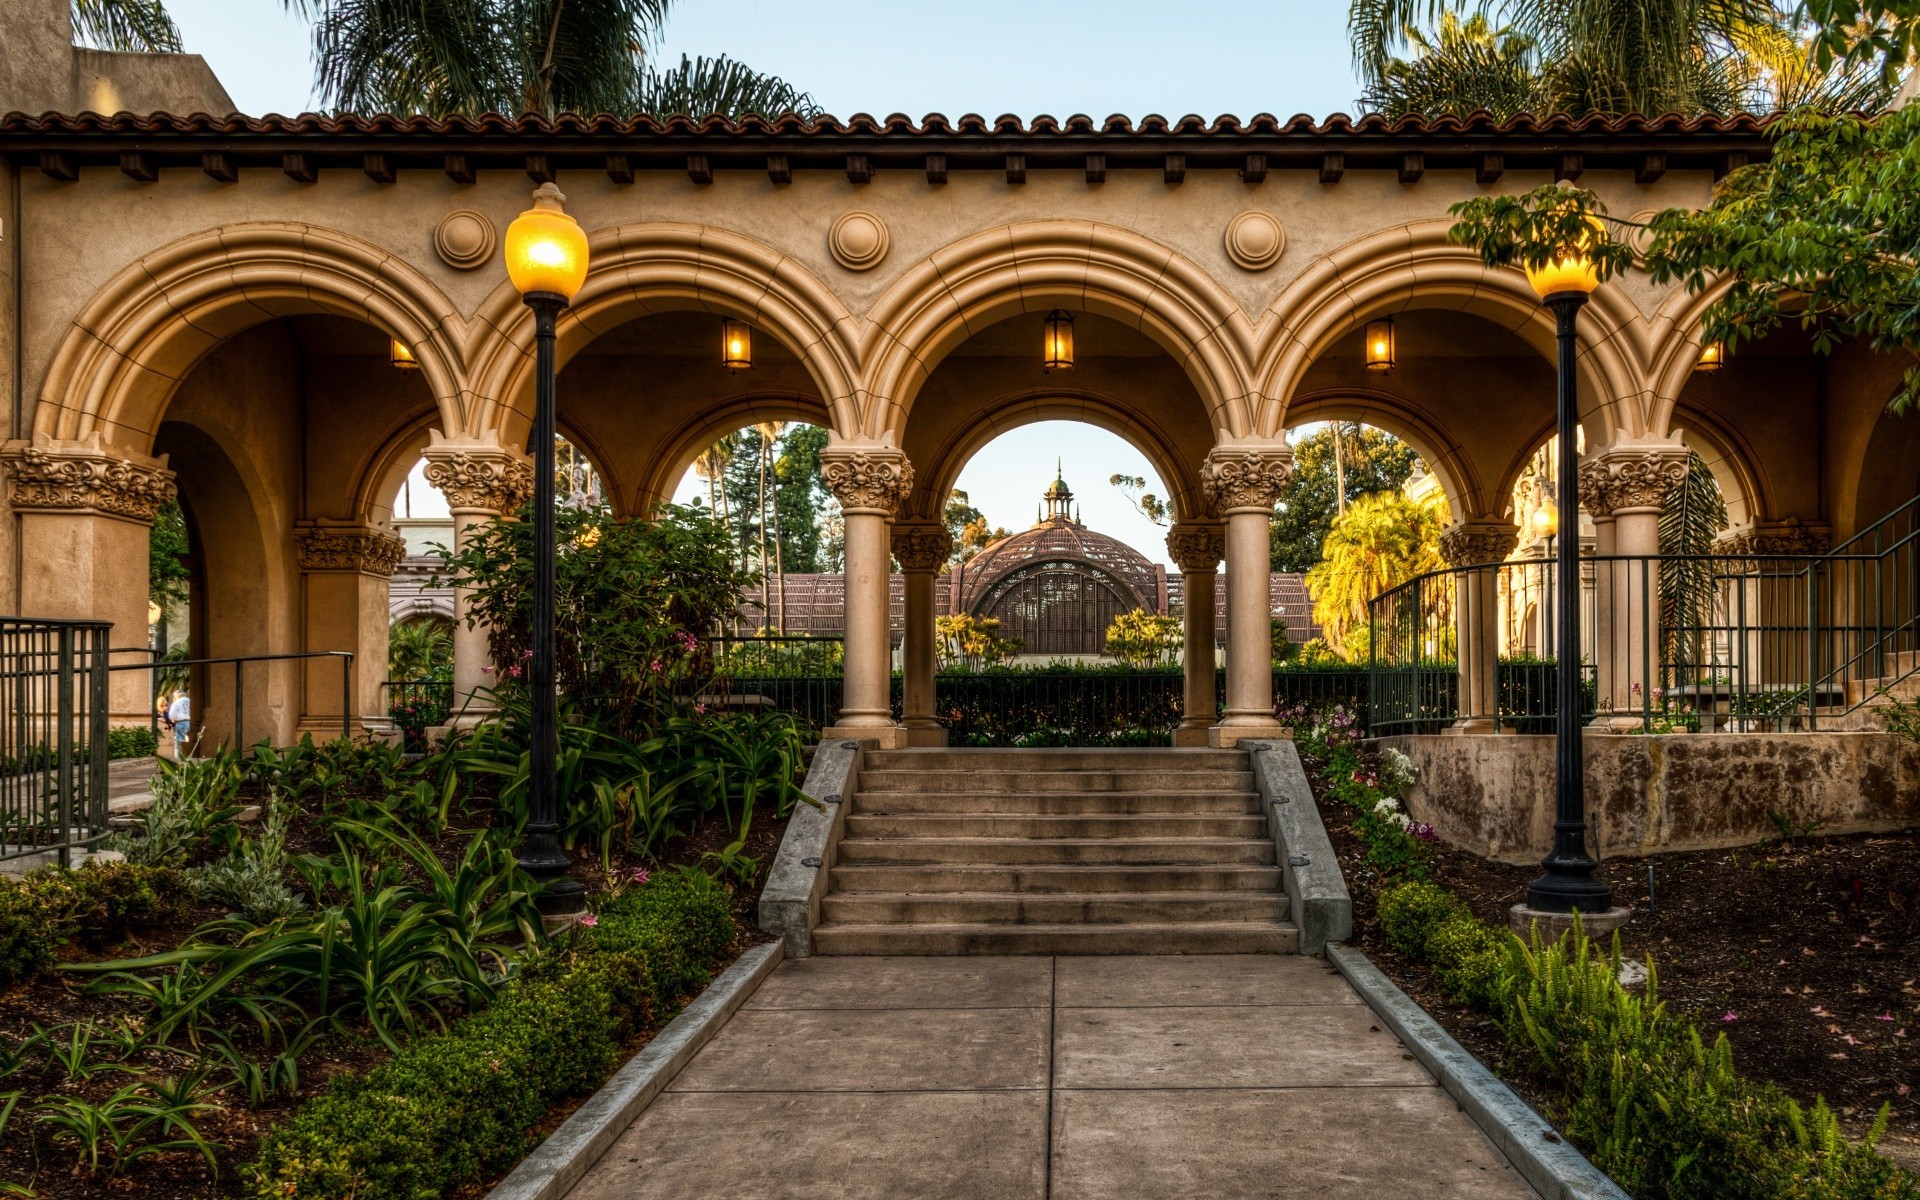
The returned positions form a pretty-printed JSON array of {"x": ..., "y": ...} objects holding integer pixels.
[
  {"x": 922, "y": 549},
  {"x": 867, "y": 479},
  {"x": 83, "y": 476},
  {"x": 1635, "y": 478},
  {"x": 1196, "y": 549},
  {"x": 1245, "y": 476},
  {"x": 348, "y": 548},
  {"x": 480, "y": 480},
  {"x": 1470, "y": 545}
]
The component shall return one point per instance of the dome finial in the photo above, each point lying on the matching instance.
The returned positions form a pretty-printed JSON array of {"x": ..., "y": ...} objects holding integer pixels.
[{"x": 1058, "y": 497}]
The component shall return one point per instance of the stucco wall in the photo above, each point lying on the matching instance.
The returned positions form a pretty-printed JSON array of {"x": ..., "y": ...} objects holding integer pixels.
[{"x": 1494, "y": 795}]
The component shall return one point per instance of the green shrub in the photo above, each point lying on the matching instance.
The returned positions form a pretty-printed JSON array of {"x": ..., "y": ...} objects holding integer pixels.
[
  {"x": 131, "y": 741},
  {"x": 456, "y": 1105},
  {"x": 1471, "y": 960},
  {"x": 1411, "y": 913},
  {"x": 97, "y": 903}
]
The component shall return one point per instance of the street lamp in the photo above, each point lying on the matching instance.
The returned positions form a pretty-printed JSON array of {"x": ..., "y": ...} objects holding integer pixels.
[
  {"x": 546, "y": 253},
  {"x": 1570, "y": 883}
]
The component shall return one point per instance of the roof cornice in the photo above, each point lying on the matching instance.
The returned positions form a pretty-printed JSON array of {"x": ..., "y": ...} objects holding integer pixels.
[{"x": 1410, "y": 145}]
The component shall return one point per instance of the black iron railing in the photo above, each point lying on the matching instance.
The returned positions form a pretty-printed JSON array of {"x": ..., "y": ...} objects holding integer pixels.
[
  {"x": 997, "y": 707},
  {"x": 1673, "y": 643},
  {"x": 53, "y": 736},
  {"x": 416, "y": 705},
  {"x": 203, "y": 710}
]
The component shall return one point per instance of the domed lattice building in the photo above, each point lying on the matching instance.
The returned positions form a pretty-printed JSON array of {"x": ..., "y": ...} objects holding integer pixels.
[{"x": 1055, "y": 588}]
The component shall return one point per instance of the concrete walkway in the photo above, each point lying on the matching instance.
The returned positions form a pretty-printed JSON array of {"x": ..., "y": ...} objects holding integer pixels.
[{"x": 1204, "y": 1077}]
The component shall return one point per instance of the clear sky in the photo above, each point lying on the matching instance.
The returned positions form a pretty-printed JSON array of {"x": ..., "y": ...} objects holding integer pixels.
[
  {"x": 883, "y": 56},
  {"x": 986, "y": 56}
]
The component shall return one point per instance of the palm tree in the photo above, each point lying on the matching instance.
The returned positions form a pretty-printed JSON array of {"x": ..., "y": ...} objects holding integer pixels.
[
  {"x": 126, "y": 25},
  {"x": 712, "y": 467},
  {"x": 1594, "y": 56},
  {"x": 770, "y": 432},
  {"x": 546, "y": 56},
  {"x": 1380, "y": 542}
]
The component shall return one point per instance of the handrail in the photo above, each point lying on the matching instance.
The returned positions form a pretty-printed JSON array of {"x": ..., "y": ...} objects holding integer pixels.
[{"x": 239, "y": 662}]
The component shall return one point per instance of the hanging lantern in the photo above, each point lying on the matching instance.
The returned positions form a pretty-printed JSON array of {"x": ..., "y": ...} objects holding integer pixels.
[
  {"x": 736, "y": 345},
  {"x": 1058, "y": 350},
  {"x": 1380, "y": 345},
  {"x": 1713, "y": 356},
  {"x": 400, "y": 355}
]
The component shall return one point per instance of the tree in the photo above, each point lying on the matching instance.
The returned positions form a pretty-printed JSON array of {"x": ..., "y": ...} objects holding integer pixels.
[
  {"x": 1879, "y": 34},
  {"x": 799, "y": 496},
  {"x": 769, "y": 432},
  {"x": 513, "y": 56},
  {"x": 1372, "y": 460},
  {"x": 1597, "y": 56},
  {"x": 167, "y": 546},
  {"x": 1143, "y": 639},
  {"x": 1824, "y": 234},
  {"x": 142, "y": 25},
  {"x": 419, "y": 650},
  {"x": 973, "y": 642},
  {"x": 959, "y": 516},
  {"x": 1692, "y": 514},
  {"x": 1380, "y": 542},
  {"x": 1148, "y": 505}
]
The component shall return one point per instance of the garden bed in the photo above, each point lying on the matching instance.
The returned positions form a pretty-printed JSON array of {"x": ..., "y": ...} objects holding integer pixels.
[{"x": 1802, "y": 951}]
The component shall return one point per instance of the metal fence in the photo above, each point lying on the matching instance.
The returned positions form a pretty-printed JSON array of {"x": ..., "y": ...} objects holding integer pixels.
[
  {"x": 205, "y": 709},
  {"x": 1673, "y": 643},
  {"x": 53, "y": 736},
  {"x": 415, "y": 705},
  {"x": 1002, "y": 707}
]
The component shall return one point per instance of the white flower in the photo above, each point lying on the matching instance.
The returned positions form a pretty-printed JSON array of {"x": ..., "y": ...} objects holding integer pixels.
[
  {"x": 1397, "y": 772},
  {"x": 1386, "y": 806},
  {"x": 1402, "y": 820}
]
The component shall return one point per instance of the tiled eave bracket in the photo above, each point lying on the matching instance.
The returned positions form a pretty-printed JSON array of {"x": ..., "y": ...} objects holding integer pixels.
[{"x": 459, "y": 146}]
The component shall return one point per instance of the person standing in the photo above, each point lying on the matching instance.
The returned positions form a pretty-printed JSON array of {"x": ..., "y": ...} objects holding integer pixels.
[{"x": 180, "y": 720}]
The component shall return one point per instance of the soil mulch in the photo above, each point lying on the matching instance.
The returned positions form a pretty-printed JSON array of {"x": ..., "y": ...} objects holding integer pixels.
[
  {"x": 1802, "y": 951},
  {"x": 27, "y": 1153}
]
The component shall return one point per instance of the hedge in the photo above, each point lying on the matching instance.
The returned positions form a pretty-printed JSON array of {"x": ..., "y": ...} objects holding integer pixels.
[
  {"x": 461, "y": 1105},
  {"x": 1636, "y": 1086},
  {"x": 97, "y": 903}
]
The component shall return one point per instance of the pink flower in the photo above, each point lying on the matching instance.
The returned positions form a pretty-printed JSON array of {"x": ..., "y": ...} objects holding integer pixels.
[
  {"x": 589, "y": 920},
  {"x": 655, "y": 665},
  {"x": 639, "y": 875},
  {"x": 1729, "y": 1017},
  {"x": 1421, "y": 830},
  {"x": 1887, "y": 1016}
]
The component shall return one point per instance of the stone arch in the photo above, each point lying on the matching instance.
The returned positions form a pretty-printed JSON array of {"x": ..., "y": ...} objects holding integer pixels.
[
  {"x": 937, "y": 478},
  {"x": 387, "y": 466},
  {"x": 685, "y": 443},
  {"x": 1041, "y": 265},
  {"x": 637, "y": 270},
  {"x": 1413, "y": 267},
  {"x": 1384, "y": 410},
  {"x": 1742, "y": 485},
  {"x": 140, "y": 335},
  {"x": 1674, "y": 349}
]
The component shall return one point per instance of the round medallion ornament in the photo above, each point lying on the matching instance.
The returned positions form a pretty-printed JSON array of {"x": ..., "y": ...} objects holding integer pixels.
[
  {"x": 1255, "y": 240},
  {"x": 858, "y": 240},
  {"x": 1637, "y": 236},
  {"x": 465, "y": 239}
]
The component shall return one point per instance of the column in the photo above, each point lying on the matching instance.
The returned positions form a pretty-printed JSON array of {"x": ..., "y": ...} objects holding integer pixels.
[
  {"x": 1766, "y": 604},
  {"x": 870, "y": 480},
  {"x": 345, "y": 568},
  {"x": 1242, "y": 480},
  {"x": 481, "y": 481},
  {"x": 85, "y": 514},
  {"x": 922, "y": 549},
  {"x": 1476, "y": 611},
  {"x": 1621, "y": 487},
  {"x": 1196, "y": 548}
]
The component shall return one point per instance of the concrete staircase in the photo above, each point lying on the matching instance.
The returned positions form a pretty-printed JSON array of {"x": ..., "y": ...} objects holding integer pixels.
[{"x": 1055, "y": 852}]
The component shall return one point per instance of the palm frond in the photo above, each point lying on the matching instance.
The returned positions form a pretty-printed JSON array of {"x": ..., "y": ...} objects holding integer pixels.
[
  {"x": 1466, "y": 66},
  {"x": 126, "y": 25},
  {"x": 706, "y": 86}
]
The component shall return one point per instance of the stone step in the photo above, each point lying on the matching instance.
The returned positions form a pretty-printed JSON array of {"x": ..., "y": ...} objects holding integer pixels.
[
  {"x": 1059, "y": 851},
  {"x": 1223, "y": 937},
  {"x": 1014, "y": 825},
  {"x": 1017, "y": 908},
  {"x": 1056, "y": 804},
  {"x": 1062, "y": 759},
  {"x": 975, "y": 782},
  {"x": 1053, "y": 879}
]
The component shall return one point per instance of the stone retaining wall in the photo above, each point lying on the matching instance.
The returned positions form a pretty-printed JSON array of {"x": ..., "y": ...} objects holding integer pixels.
[{"x": 1494, "y": 794}]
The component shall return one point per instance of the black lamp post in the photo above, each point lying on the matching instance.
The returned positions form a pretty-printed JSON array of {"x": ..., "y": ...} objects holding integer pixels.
[
  {"x": 1570, "y": 883},
  {"x": 546, "y": 253}
]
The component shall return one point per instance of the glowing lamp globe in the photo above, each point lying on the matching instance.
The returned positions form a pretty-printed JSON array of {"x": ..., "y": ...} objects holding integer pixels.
[
  {"x": 1546, "y": 519},
  {"x": 546, "y": 250},
  {"x": 1713, "y": 356},
  {"x": 1570, "y": 270}
]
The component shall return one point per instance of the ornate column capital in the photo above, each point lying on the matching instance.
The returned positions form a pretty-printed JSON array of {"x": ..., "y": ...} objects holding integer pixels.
[
  {"x": 367, "y": 549},
  {"x": 1470, "y": 544},
  {"x": 922, "y": 547},
  {"x": 1246, "y": 476},
  {"x": 1790, "y": 536},
  {"x": 478, "y": 477},
  {"x": 1197, "y": 547},
  {"x": 873, "y": 478},
  {"x": 1624, "y": 478},
  {"x": 85, "y": 476}
]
